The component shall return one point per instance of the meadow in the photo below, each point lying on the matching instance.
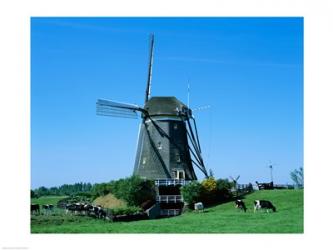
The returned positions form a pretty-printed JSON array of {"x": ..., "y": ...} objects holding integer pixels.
[
  {"x": 47, "y": 200},
  {"x": 224, "y": 218}
]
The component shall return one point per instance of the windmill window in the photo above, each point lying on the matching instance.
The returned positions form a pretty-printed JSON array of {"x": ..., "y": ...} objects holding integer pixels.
[
  {"x": 174, "y": 173},
  {"x": 159, "y": 145},
  {"x": 178, "y": 158}
]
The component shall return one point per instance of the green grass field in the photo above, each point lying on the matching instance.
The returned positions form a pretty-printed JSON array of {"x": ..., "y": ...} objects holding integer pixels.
[
  {"x": 47, "y": 200},
  {"x": 224, "y": 218}
]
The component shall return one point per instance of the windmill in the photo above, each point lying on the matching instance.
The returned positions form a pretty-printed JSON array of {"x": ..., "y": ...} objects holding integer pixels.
[
  {"x": 168, "y": 145},
  {"x": 235, "y": 186},
  {"x": 234, "y": 180}
]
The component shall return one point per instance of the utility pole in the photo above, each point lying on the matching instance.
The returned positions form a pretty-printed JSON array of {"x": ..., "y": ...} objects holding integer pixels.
[{"x": 271, "y": 170}]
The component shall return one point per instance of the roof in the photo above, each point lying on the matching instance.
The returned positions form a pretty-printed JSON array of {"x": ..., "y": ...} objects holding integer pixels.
[{"x": 164, "y": 105}]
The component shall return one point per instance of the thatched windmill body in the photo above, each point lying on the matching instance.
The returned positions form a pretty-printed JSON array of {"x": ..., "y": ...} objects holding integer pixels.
[{"x": 168, "y": 145}]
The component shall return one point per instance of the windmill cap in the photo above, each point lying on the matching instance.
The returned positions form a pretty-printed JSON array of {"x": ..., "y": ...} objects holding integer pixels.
[{"x": 164, "y": 105}]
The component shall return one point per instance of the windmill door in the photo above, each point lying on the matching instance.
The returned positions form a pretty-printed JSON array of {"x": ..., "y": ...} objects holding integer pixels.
[{"x": 180, "y": 174}]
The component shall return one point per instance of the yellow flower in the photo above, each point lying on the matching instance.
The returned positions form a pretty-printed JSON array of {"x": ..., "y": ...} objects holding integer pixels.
[{"x": 209, "y": 184}]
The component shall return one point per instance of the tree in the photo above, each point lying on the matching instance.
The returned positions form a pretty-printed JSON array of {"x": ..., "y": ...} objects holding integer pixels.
[
  {"x": 191, "y": 192},
  {"x": 33, "y": 194},
  {"x": 209, "y": 191},
  {"x": 133, "y": 190},
  {"x": 297, "y": 177},
  {"x": 42, "y": 191},
  {"x": 224, "y": 189}
]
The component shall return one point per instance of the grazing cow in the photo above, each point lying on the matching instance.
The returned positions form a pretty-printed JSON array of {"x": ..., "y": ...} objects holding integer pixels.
[
  {"x": 87, "y": 208},
  {"x": 79, "y": 208},
  {"x": 48, "y": 208},
  {"x": 240, "y": 204},
  {"x": 34, "y": 208},
  {"x": 199, "y": 206},
  {"x": 76, "y": 208},
  {"x": 99, "y": 212},
  {"x": 102, "y": 213},
  {"x": 70, "y": 208},
  {"x": 261, "y": 204}
]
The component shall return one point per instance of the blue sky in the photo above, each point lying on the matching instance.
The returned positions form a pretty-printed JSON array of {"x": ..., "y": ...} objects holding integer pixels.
[{"x": 249, "y": 70}]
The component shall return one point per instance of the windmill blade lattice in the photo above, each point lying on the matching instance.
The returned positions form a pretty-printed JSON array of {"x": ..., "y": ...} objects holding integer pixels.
[{"x": 116, "y": 109}]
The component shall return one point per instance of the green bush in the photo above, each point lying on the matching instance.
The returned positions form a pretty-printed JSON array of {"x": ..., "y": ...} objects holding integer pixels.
[
  {"x": 84, "y": 194},
  {"x": 33, "y": 194},
  {"x": 100, "y": 189},
  {"x": 224, "y": 190},
  {"x": 133, "y": 190},
  {"x": 191, "y": 192},
  {"x": 126, "y": 210}
]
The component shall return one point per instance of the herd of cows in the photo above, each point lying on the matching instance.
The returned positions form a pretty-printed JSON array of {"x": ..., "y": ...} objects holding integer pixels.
[
  {"x": 75, "y": 208},
  {"x": 258, "y": 204},
  {"x": 37, "y": 209},
  {"x": 87, "y": 209},
  {"x": 101, "y": 213}
]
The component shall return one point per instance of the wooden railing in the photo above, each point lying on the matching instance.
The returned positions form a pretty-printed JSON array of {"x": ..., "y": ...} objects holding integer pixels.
[
  {"x": 169, "y": 182},
  {"x": 169, "y": 198}
]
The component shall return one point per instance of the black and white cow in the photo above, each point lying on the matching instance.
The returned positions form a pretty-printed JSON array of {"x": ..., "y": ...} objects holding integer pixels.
[
  {"x": 72, "y": 208},
  {"x": 263, "y": 204},
  {"x": 34, "y": 208},
  {"x": 240, "y": 204},
  {"x": 88, "y": 209},
  {"x": 79, "y": 208},
  {"x": 48, "y": 208},
  {"x": 99, "y": 212}
]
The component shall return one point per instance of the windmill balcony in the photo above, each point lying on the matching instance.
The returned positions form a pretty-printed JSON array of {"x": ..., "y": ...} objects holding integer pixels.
[
  {"x": 171, "y": 182},
  {"x": 169, "y": 198}
]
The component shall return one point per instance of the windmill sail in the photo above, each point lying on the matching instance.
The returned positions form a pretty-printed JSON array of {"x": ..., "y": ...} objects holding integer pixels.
[
  {"x": 117, "y": 109},
  {"x": 150, "y": 67},
  {"x": 195, "y": 148}
]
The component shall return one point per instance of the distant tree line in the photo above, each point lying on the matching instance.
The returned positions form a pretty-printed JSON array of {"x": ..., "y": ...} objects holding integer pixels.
[
  {"x": 133, "y": 190},
  {"x": 66, "y": 189}
]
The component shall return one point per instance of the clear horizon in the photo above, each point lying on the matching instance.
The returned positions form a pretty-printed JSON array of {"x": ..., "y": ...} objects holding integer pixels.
[{"x": 249, "y": 70}]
